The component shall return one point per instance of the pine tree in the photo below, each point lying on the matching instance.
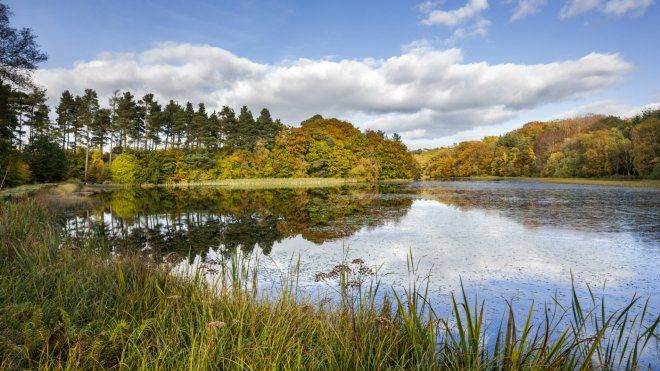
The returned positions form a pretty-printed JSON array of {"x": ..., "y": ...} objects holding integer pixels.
[
  {"x": 167, "y": 122},
  {"x": 8, "y": 120},
  {"x": 65, "y": 111},
  {"x": 76, "y": 123},
  {"x": 248, "y": 130},
  {"x": 113, "y": 127},
  {"x": 179, "y": 120},
  {"x": 198, "y": 126},
  {"x": 213, "y": 129},
  {"x": 127, "y": 119},
  {"x": 267, "y": 128},
  {"x": 19, "y": 52},
  {"x": 87, "y": 111},
  {"x": 188, "y": 117},
  {"x": 102, "y": 127},
  {"x": 151, "y": 111},
  {"x": 230, "y": 130},
  {"x": 36, "y": 114},
  {"x": 19, "y": 107}
]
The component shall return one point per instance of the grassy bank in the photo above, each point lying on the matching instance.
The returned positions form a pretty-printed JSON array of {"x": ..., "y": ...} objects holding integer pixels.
[
  {"x": 75, "y": 306},
  {"x": 612, "y": 182},
  {"x": 266, "y": 183},
  {"x": 24, "y": 190},
  {"x": 644, "y": 183}
]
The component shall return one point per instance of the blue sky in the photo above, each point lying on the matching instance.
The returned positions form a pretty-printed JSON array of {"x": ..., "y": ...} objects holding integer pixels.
[{"x": 437, "y": 72}]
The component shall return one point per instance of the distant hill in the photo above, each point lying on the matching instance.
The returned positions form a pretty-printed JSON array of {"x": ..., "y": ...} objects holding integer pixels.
[{"x": 587, "y": 146}]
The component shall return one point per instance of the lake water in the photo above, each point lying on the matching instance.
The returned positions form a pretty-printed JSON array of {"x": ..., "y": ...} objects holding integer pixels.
[{"x": 506, "y": 240}]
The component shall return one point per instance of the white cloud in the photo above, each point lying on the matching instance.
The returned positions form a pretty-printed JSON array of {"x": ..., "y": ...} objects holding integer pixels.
[
  {"x": 618, "y": 8},
  {"x": 455, "y": 17},
  {"x": 608, "y": 107},
  {"x": 622, "y": 7},
  {"x": 527, "y": 7},
  {"x": 577, "y": 7},
  {"x": 423, "y": 93},
  {"x": 478, "y": 28}
]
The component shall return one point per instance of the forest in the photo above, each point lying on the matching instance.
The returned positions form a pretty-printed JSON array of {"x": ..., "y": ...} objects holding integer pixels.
[
  {"x": 139, "y": 141},
  {"x": 588, "y": 146}
]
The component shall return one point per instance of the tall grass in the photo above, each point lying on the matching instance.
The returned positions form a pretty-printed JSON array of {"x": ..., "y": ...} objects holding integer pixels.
[{"x": 66, "y": 306}]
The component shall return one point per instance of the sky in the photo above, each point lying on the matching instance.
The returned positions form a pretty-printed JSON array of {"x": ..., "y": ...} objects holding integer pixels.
[{"x": 436, "y": 72}]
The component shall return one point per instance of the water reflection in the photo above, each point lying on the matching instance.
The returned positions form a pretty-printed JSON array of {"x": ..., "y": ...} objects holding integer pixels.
[
  {"x": 503, "y": 239},
  {"x": 190, "y": 221},
  {"x": 579, "y": 207}
]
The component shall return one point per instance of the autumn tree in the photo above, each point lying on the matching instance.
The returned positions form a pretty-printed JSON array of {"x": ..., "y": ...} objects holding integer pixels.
[{"x": 646, "y": 147}]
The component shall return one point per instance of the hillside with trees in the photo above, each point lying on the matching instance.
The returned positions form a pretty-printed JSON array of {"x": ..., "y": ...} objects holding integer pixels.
[{"x": 589, "y": 146}]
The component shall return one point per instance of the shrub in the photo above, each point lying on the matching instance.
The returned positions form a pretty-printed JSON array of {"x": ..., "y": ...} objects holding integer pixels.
[{"x": 124, "y": 169}]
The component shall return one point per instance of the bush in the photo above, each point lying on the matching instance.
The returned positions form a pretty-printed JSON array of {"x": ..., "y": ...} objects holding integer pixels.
[{"x": 125, "y": 169}]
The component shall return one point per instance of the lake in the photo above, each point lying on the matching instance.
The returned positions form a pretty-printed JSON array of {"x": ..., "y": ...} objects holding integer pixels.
[{"x": 506, "y": 240}]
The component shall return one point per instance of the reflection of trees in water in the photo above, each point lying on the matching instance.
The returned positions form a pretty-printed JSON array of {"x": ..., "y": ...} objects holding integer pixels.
[
  {"x": 189, "y": 222},
  {"x": 609, "y": 210}
]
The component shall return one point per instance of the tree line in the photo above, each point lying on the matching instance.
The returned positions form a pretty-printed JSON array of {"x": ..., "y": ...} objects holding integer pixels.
[
  {"x": 588, "y": 146},
  {"x": 139, "y": 140}
]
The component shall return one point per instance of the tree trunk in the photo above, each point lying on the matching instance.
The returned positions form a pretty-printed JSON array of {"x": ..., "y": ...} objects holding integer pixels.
[
  {"x": 87, "y": 156},
  {"x": 110, "y": 160}
]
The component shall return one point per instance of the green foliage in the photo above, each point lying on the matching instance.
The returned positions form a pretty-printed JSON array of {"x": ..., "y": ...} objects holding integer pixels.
[
  {"x": 591, "y": 154},
  {"x": 646, "y": 147},
  {"x": 125, "y": 169},
  {"x": 394, "y": 160},
  {"x": 99, "y": 171},
  {"x": 47, "y": 161},
  {"x": 13, "y": 170},
  {"x": 156, "y": 167},
  {"x": 75, "y": 161}
]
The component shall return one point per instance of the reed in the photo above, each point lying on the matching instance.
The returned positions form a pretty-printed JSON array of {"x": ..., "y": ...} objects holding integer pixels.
[{"x": 65, "y": 306}]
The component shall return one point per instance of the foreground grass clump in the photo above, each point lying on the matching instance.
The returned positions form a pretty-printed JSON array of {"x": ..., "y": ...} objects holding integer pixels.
[{"x": 79, "y": 307}]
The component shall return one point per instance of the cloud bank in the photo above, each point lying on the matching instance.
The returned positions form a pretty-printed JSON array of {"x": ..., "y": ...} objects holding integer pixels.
[{"x": 423, "y": 93}]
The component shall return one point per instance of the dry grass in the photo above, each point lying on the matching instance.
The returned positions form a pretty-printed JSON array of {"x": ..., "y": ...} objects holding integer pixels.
[
  {"x": 611, "y": 182},
  {"x": 269, "y": 183},
  {"x": 24, "y": 190},
  {"x": 637, "y": 183}
]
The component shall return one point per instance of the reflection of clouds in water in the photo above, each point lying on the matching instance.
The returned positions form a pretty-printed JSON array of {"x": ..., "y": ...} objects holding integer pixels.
[
  {"x": 504, "y": 239},
  {"x": 493, "y": 254}
]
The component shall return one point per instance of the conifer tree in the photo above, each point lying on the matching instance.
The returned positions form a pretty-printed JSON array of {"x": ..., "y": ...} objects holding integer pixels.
[
  {"x": 65, "y": 111},
  {"x": 247, "y": 127},
  {"x": 230, "y": 129}
]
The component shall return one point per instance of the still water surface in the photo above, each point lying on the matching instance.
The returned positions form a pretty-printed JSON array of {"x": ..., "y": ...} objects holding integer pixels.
[{"x": 506, "y": 240}]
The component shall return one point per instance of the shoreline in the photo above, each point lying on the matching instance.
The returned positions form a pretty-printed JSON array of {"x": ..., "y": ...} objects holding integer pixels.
[{"x": 273, "y": 183}]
